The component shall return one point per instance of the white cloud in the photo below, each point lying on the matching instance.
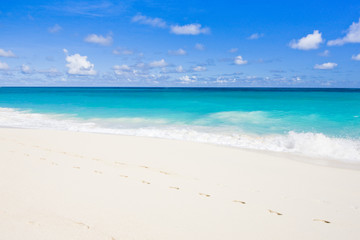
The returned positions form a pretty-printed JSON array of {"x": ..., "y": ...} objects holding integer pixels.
[
  {"x": 50, "y": 72},
  {"x": 160, "y": 63},
  {"x": 179, "y": 69},
  {"x": 352, "y": 36},
  {"x": 255, "y": 36},
  {"x": 233, "y": 50},
  {"x": 310, "y": 41},
  {"x": 199, "y": 46},
  {"x": 25, "y": 69},
  {"x": 199, "y": 68},
  {"x": 4, "y": 53},
  {"x": 180, "y": 51},
  {"x": 99, "y": 39},
  {"x": 122, "y": 69},
  {"x": 56, "y": 28},
  {"x": 154, "y": 22},
  {"x": 79, "y": 65},
  {"x": 239, "y": 60},
  {"x": 4, "y": 66},
  {"x": 328, "y": 65},
  {"x": 325, "y": 53},
  {"x": 356, "y": 57},
  {"x": 189, "y": 29},
  {"x": 122, "y": 52},
  {"x": 186, "y": 79}
]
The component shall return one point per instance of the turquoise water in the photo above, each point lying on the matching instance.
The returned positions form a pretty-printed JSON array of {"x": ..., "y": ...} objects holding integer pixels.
[{"x": 315, "y": 122}]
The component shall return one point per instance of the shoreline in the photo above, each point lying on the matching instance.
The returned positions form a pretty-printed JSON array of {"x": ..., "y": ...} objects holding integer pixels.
[
  {"x": 319, "y": 161},
  {"x": 321, "y": 148},
  {"x": 76, "y": 185}
]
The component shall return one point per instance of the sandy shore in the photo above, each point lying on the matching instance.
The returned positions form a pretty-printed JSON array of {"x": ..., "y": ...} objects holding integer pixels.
[{"x": 67, "y": 185}]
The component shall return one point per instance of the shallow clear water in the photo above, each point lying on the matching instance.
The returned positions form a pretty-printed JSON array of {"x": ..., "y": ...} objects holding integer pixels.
[{"x": 315, "y": 122}]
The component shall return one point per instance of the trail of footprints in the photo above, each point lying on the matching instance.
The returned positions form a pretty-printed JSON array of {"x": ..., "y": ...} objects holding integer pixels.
[{"x": 205, "y": 195}]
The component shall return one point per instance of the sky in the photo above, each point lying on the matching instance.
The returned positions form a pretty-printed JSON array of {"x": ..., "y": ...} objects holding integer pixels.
[{"x": 180, "y": 43}]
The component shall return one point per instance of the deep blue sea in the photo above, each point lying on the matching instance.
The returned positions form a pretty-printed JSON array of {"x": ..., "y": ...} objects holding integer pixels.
[{"x": 322, "y": 123}]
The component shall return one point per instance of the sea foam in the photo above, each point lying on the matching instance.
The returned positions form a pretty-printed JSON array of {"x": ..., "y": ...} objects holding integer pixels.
[{"x": 316, "y": 145}]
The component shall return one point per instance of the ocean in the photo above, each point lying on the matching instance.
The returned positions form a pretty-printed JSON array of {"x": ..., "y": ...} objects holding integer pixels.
[{"x": 319, "y": 123}]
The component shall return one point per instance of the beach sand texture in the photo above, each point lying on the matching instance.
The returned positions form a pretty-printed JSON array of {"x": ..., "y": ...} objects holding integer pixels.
[{"x": 70, "y": 185}]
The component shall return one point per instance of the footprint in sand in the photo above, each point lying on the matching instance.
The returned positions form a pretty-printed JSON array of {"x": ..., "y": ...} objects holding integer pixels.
[
  {"x": 321, "y": 220},
  {"x": 145, "y": 182},
  {"x": 119, "y": 163},
  {"x": 98, "y": 172},
  {"x": 204, "y": 194},
  {"x": 238, "y": 201},
  {"x": 76, "y": 167},
  {"x": 82, "y": 224},
  {"x": 176, "y": 188},
  {"x": 33, "y": 223},
  {"x": 277, "y": 213}
]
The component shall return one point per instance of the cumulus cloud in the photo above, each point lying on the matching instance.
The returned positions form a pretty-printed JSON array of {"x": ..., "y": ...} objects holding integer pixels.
[
  {"x": 233, "y": 50},
  {"x": 356, "y": 57},
  {"x": 4, "y": 53},
  {"x": 56, "y": 28},
  {"x": 325, "y": 66},
  {"x": 99, "y": 39},
  {"x": 25, "y": 69},
  {"x": 154, "y": 22},
  {"x": 189, "y": 29},
  {"x": 255, "y": 36},
  {"x": 310, "y": 41},
  {"x": 79, "y": 65},
  {"x": 199, "y": 47},
  {"x": 186, "y": 79},
  {"x": 239, "y": 60},
  {"x": 199, "y": 68},
  {"x": 178, "y": 52},
  {"x": 352, "y": 36},
  {"x": 4, "y": 66},
  {"x": 160, "y": 63}
]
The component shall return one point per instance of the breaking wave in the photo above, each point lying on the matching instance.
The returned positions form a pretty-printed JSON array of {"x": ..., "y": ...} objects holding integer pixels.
[{"x": 316, "y": 145}]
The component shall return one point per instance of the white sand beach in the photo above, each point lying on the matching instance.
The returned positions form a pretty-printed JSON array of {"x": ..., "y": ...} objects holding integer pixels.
[{"x": 71, "y": 185}]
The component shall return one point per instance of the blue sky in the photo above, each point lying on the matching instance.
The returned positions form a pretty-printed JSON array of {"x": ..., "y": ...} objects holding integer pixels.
[{"x": 180, "y": 43}]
